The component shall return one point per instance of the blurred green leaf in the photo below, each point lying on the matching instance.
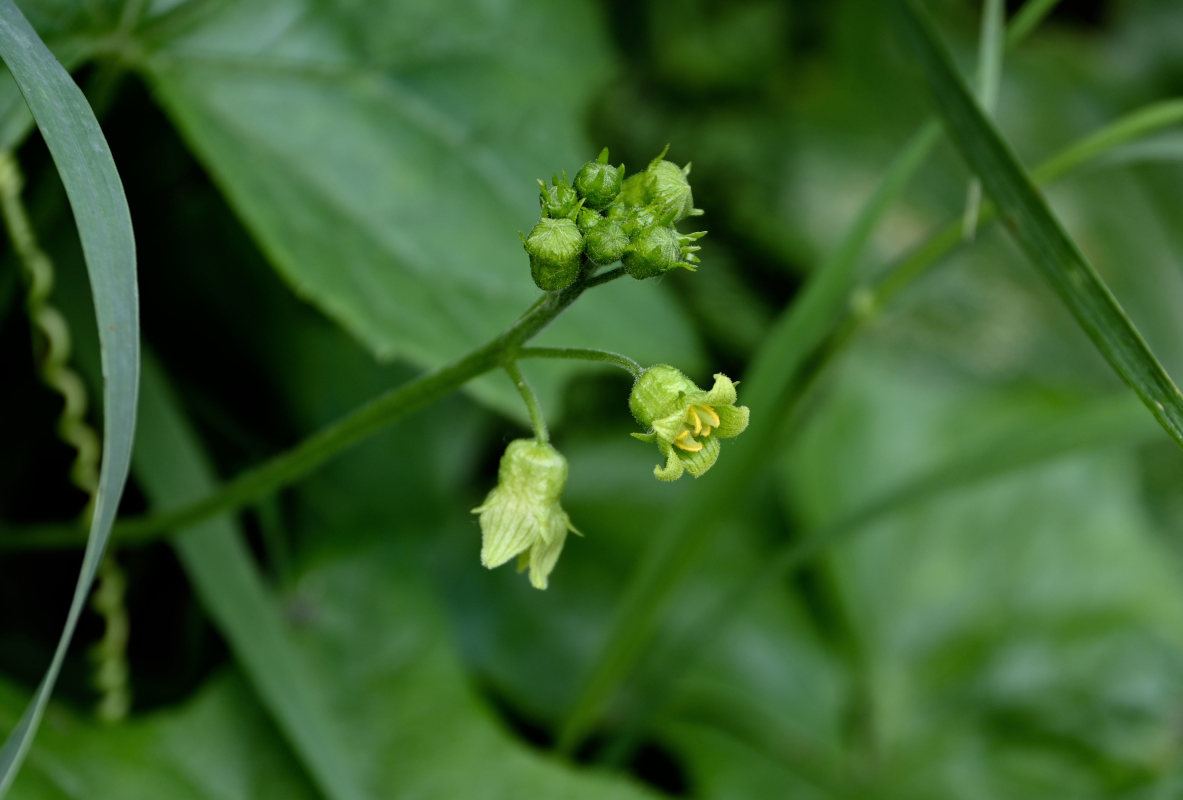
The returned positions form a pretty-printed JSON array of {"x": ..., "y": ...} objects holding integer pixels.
[
  {"x": 96, "y": 196},
  {"x": 70, "y": 30},
  {"x": 1006, "y": 622},
  {"x": 218, "y": 746},
  {"x": 379, "y": 650},
  {"x": 384, "y": 154}
]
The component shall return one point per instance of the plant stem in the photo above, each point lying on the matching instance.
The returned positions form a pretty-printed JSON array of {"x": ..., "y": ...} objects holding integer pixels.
[
  {"x": 584, "y": 354},
  {"x": 530, "y": 399},
  {"x": 604, "y": 277},
  {"x": 293, "y": 464}
]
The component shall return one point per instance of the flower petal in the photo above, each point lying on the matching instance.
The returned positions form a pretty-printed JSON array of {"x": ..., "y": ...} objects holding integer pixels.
[
  {"x": 668, "y": 428},
  {"x": 505, "y": 529},
  {"x": 544, "y": 556},
  {"x": 702, "y": 460},
  {"x": 673, "y": 468},
  {"x": 721, "y": 394},
  {"x": 732, "y": 420}
]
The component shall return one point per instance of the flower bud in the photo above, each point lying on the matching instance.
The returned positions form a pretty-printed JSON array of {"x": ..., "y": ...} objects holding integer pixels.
[
  {"x": 598, "y": 182},
  {"x": 669, "y": 191},
  {"x": 659, "y": 249},
  {"x": 588, "y": 219},
  {"x": 554, "y": 247},
  {"x": 659, "y": 392},
  {"x": 522, "y": 516},
  {"x": 634, "y": 191},
  {"x": 606, "y": 243},
  {"x": 686, "y": 422},
  {"x": 638, "y": 219},
  {"x": 559, "y": 199}
]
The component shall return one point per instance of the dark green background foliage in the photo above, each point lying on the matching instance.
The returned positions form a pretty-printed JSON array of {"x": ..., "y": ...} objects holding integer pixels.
[{"x": 326, "y": 197}]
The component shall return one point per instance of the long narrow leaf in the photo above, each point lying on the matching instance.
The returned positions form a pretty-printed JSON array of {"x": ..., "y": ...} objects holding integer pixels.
[
  {"x": 172, "y": 470},
  {"x": 1037, "y": 230},
  {"x": 104, "y": 227}
]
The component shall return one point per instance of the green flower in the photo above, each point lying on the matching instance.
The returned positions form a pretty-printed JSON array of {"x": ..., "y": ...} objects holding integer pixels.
[
  {"x": 521, "y": 516},
  {"x": 685, "y": 421}
]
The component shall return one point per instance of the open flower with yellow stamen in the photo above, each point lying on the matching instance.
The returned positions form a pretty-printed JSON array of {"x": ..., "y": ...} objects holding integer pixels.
[{"x": 686, "y": 422}]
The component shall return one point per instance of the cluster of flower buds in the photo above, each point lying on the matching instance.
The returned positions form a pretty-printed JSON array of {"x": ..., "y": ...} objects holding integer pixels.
[
  {"x": 601, "y": 219},
  {"x": 605, "y": 218}
]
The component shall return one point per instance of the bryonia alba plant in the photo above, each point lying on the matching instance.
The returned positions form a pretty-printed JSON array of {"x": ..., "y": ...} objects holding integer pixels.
[
  {"x": 587, "y": 226},
  {"x": 594, "y": 230}
]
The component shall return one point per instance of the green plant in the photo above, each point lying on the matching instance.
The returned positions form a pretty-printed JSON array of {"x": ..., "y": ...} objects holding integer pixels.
[{"x": 938, "y": 559}]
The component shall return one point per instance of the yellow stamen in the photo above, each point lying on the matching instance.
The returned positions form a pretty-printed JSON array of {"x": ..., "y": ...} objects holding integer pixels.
[
  {"x": 692, "y": 419},
  {"x": 706, "y": 431},
  {"x": 683, "y": 441},
  {"x": 710, "y": 415}
]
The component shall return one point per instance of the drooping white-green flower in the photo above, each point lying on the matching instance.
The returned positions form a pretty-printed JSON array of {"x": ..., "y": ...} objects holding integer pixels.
[
  {"x": 686, "y": 422},
  {"x": 522, "y": 516}
]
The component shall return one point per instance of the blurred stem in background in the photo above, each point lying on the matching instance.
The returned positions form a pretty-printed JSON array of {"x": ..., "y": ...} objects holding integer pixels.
[{"x": 991, "y": 45}]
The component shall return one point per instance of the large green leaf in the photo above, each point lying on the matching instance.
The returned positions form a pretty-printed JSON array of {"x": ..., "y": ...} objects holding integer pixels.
[
  {"x": 381, "y": 654},
  {"x": 384, "y": 155},
  {"x": 100, "y": 211}
]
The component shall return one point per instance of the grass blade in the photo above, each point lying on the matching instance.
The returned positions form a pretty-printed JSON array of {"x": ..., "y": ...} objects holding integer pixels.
[
  {"x": 1105, "y": 146},
  {"x": 1027, "y": 19},
  {"x": 1038, "y": 232},
  {"x": 104, "y": 226},
  {"x": 170, "y": 466}
]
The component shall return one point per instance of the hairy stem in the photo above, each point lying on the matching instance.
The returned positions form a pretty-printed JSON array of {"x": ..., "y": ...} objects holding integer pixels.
[
  {"x": 584, "y": 354},
  {"x": 537, "y": 420}
]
